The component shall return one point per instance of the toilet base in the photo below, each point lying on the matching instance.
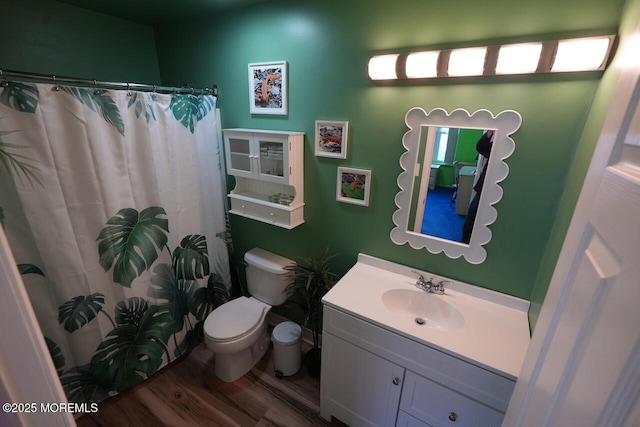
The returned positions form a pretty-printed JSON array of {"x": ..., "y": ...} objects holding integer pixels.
[{"x": 231, "y": 367}]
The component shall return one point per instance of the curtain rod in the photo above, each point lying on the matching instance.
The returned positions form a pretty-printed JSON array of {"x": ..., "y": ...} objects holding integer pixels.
[{"x": 113, "y": 85}]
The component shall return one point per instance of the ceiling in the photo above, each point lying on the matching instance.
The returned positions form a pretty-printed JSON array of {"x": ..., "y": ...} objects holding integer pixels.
[{"x": 159, "y": 11}]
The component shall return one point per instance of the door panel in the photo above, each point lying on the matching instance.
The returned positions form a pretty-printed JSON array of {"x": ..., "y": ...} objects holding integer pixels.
[{"x": 583, "y": 365}]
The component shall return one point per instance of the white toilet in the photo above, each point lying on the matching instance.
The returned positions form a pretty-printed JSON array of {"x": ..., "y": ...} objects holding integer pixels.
[{"x": 236, "y": 331}]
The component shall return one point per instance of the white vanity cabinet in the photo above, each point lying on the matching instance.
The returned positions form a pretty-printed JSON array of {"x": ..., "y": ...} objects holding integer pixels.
[
  {"x": 269, "y": 171},
  {"x": 374, "y": 377}
]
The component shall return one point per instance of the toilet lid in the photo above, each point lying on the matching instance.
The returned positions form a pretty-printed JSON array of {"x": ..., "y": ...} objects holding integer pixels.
[{"x": 234, "y": 319}]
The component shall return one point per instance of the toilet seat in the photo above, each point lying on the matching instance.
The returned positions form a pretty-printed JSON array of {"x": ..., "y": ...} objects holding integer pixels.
[{"x": 235, "y": 319}]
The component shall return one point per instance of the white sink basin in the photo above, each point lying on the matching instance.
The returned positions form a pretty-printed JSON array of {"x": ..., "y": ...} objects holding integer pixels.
[{"x": 422, "y": 308}]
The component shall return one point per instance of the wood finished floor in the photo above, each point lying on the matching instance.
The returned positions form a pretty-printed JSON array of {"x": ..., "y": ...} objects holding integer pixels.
[{"x": 187, "y": 393}]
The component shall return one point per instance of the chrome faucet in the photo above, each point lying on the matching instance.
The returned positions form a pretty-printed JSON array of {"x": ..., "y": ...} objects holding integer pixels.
[
  {"x": 428, "y": 285},
  {"x": 438, "y": 288}
]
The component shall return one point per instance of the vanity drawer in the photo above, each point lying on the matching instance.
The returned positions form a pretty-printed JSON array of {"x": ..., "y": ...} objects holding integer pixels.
[
  {"x": 484, "y": 386},
  {"x": 437, "y": 405}
]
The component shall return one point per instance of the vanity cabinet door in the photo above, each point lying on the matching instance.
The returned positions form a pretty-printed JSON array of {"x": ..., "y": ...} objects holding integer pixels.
[
  {"x": 438, "y": 405},
  {"x": 358, "y": 387},
  {"x": 406, "y": 420}
]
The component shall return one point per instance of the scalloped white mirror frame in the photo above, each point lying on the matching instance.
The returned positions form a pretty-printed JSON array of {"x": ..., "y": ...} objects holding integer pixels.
[{"x": 504, "y": 124}]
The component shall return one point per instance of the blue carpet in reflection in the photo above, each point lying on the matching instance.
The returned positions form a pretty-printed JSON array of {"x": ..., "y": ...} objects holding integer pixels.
[{"x": 440, "y": 219}]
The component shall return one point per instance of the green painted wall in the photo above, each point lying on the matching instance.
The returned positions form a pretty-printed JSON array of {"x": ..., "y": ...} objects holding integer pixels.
[
  {"x": 48, "y": 37},
  {"x": 466, "y": 150},
  {"x": 327, "y": 45}
]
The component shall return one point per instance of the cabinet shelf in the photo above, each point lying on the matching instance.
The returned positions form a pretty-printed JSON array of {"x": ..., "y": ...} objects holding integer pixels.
[{"x": 268, "y": 167}]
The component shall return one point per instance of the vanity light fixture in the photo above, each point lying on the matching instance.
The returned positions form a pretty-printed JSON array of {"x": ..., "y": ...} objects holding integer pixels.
[
  {"x": 522, "y": 58},
  {"x": 581, "y": 54},
  {"x": 421, "y": 65},
  {"x": 467, "y": 62},
  {"x": 383, "y": 67},
  {"x": 550, "y": 56}
]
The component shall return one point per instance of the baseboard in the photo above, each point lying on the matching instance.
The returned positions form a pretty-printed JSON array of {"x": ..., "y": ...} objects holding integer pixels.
[{"x": 307, "y": 336}]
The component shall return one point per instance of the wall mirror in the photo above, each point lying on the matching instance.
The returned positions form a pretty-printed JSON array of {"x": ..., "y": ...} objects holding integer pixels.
[{"x": 431, "y": 139}]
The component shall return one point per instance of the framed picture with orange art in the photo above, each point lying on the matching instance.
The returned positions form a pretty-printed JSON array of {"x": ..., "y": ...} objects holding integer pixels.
[
  {"x": 268, "y": 88},
  {"x": 331, "y": 139},
  {"x": 353, "y": 186}
]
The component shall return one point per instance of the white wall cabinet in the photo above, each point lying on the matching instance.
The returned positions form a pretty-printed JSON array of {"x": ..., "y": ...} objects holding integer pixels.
[
  {"x": 374, "y": 377},
  {"x": 269, "y": 170}
]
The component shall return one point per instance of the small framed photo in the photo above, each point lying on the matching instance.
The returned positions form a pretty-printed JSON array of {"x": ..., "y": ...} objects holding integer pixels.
[
  {"x": 354, "y": 186},
  {"x": 331, "y": 139},
  {"x": 268, "y": 88}
]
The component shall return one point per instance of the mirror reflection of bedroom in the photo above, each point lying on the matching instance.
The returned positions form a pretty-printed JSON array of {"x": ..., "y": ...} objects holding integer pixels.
[{"x": 446, "y": 190}]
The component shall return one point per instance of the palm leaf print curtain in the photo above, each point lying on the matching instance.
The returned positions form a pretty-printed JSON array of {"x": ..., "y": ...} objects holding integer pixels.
[{"x": 113, "y": 203}]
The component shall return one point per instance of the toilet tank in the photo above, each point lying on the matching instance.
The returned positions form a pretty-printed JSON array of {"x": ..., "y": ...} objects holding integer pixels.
[{"x": 266, "y": 277}]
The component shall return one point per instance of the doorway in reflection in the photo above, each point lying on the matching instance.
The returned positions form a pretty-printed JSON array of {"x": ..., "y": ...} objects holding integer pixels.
[
  {"x": 442, "y": 220},
  {"x": 446, "y": 198}
]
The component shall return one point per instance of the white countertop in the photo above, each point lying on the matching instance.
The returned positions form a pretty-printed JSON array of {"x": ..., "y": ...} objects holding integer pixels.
[{"x": 495, "y": 334}]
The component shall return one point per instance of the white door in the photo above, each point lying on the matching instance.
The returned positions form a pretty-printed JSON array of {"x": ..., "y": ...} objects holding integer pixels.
[{"x": 583, "y": 365}]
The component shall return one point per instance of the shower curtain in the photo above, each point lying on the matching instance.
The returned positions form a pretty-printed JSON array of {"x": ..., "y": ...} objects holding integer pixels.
[{"x": 113, "y": 203}]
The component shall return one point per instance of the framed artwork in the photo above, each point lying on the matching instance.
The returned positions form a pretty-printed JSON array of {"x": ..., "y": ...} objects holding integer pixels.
[
  {"x": 331, "y": 139},
  {"x": 353, "y": 186},
  {"x": 268, "y": 88}
]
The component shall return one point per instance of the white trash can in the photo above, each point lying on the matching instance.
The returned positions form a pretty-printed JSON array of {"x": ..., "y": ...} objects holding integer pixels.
[{"x": 287, "y": 352}]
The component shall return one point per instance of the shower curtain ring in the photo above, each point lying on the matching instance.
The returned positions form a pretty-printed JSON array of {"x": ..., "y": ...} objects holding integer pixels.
[
  {"x": 55, "y": 88},
  {"x": 128, "y": 91}
]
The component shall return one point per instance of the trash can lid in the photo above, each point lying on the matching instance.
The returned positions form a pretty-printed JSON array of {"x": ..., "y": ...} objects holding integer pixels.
[{"x": 286, "y": 333}]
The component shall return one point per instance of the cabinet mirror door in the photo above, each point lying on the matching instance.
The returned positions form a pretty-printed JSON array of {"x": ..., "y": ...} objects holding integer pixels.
[
  {"x": 272, "y": 156},
  {"x": 239, "y": 155}
]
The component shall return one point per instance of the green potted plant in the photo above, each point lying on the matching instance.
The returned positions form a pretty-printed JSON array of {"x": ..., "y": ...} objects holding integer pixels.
[{"x": 310, "y": 281}]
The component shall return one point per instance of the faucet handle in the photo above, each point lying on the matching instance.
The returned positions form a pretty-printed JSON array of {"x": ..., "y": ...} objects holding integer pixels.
[
  {"x": 420, "y": 276},
  {"x": 423, "y": 284},
  {"x": 439, "y": 287}
]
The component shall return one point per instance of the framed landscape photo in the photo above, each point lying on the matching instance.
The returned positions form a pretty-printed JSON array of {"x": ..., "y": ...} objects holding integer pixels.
[
  {"x": 354, "y": 186},
  {"x": 268, "y": 88},
  {"x": 331, "y": 139}
]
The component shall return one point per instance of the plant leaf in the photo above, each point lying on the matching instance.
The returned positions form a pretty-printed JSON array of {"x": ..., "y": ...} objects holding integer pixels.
[
  {"x": 81, "y": 386},
  {"x": 205, "y": 300},
  {"x": 191, "y": 259},
  {"x": 189, "y": 109},
  {"x": 176, "y": 293},
  {"x": 130, "y": 311},
  {"x": 79, "y": 311},
  {"x": 205, "y": 104},
  {"x": 29, "y": 269},
  {"x": 56, "y": 355},
  {"x": 191, "y": 338},
  {"x": 99, "y": 101},
  {"x": 311, "y": 280},
  {"x": 143, "y": 105},
  {"x": 17, "y": 163},
  {"x": 20, "y": 96},
  {"x": 131, "y": 353},
  {"x": 129, "y": 242}
]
